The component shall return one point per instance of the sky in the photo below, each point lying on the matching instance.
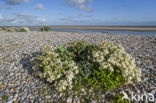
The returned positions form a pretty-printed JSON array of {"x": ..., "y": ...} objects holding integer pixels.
[{"x": 78, "y": 12}]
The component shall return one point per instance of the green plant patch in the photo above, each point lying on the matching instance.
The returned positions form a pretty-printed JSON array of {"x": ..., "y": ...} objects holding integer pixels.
[
  {"x": 153, "y": 42},
  {"x": 24, "y": 29},
  {"x": 84, "y": 67},
  {"x": 118, "y": 98},
  {"x": 45, "y": 29},
  {"x": 2, "y": 28},
  {"x": 4, "y": 98},
  {"x": 12, "y": 29}
]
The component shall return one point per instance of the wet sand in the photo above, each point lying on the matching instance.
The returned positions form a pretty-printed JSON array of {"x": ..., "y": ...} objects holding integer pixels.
[{"x": 122, "y": 28}]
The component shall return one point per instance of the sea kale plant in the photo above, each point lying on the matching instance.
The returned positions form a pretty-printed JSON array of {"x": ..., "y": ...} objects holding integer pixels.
[
  {"x": 45, "y": 29},
  {"x": 24, "y": 29},
  {"x": 84, "y": 66},
  {"x": 12, "y": 29}
]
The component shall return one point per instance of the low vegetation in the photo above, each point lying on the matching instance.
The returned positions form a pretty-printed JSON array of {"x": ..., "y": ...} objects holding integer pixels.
[
  {"x": 86, "y": 68},
  {"x": 118, "y": 99},
  {"x": 45, "y": 29},
  {"x": 153, "y": 42},
  {"x": 21, "y": 29},
  {"x": 2, "y": 28},
  {"x": 4, "y": 98},
  {"x": 12, "y": 29},
  {"x": 24, "y": 29}
]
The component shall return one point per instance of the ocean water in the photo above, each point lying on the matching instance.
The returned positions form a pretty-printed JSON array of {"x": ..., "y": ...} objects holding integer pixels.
[{"x": 145, "y": 33}]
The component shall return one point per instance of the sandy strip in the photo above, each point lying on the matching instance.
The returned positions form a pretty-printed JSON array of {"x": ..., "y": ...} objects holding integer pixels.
[{"x": 124, "y": 28}]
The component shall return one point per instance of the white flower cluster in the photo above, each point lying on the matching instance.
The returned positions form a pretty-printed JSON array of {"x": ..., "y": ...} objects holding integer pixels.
[
  {"x": 54, "y": 70},
  {"x": 68, "y": 75},
  {"x": 114, "y": 58}
]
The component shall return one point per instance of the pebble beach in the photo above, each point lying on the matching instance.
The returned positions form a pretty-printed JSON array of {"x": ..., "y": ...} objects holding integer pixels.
[{"x": 17, "y": 48}]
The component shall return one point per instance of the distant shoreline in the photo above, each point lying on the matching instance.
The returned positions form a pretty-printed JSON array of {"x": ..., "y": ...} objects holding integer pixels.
[{"x": 120, "y": 28}]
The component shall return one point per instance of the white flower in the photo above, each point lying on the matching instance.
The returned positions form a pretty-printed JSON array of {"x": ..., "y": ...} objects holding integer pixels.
[
  {"x": 100, "y": 59},
  {"x": 111, "y": 69},
  {"x": 118, "y": 71},
  {"x": 69, "y": 100},
  {"x": 59, "y": 75},
  {"x": 76, "y": 71},
  {"x": 58, "y": 61},
  {"x": 75, "y": 68},
  {"x": 106, "y": 51},
  {"x": 95, "y": 54}
]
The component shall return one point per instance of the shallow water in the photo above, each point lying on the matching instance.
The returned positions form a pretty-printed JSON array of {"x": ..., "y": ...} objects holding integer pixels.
[{"x": 146, "y": 33}]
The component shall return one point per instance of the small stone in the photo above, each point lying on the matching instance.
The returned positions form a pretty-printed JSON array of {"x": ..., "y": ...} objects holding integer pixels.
[
  {"x": 76, "y": 100},
  {"x": 11, "y": 66},
  {"x": 11, "y": 74},
  {"x": 16, "y": 95},
  {"x": 14, "y": 99},
  {"x": 31, "y": 97},
  {"x": 48, "y": 97},
  {"x": 69, "y": 100},
  {"x": 103, "y": 96},
  {"x": 3, "y": 85},
  {"x": 54, "y": 95},
  {"x": 93, "y": 101},
  {"x": 153, "y": 91},
  {"x": 40, "y": 99}
]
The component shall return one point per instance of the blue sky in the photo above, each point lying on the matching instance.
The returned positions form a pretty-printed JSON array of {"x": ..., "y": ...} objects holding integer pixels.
[{"x": 78, "y": 12}]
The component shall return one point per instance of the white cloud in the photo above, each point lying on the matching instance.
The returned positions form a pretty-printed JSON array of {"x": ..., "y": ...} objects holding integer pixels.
[
  {"x": 80, "y": 4},
  {"x": 1, "y": 17},
  {"x": 15, "y": 2},
  {"x": 39, "y": 7},
  {"x": 5, "y": 7},
  {"x": 23, "y": 19},
  {"x": 76, "y": 17},
  {"x": 79, "y": 19}
]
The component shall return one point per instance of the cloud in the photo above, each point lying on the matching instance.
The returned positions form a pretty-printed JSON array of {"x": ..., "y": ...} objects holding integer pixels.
[
  {"x": 1, "y": 17},
  {"x": 80, "y": 4},
  {"x": 5, "y": 7},
  {"x": 15, "y": 2},
  {"x": 79, "y": 19},
  {"x": 22, "y": 19},
  {"x": 75, "y": 18},
  {"x": 39, "y": 7}
]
